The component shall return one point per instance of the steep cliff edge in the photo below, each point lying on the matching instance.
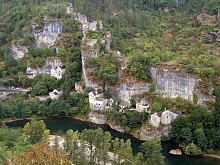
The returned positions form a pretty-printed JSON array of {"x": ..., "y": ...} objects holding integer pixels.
[{"x": 46, "y": 35}]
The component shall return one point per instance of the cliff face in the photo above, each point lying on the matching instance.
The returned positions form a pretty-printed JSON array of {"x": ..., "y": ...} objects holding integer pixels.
[
  {"x": 48, "y": 34},
  {"x": 173, "y": 84},
  {"x": 128, "y": 89},
  {"x": 18, "y": 51}
]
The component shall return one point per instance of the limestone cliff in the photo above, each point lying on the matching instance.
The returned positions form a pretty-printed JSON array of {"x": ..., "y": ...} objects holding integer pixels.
[
  {"x": 18, "y": 51},
  {"x": 128, "y": 89},
  {"x": 46, "y": 35},
  {"x": 172, "y": 84}
]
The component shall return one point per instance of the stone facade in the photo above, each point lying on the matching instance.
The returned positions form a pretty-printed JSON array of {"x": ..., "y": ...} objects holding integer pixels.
[
  {"x": 143, "y": 106},
  {"x": 165, "y": 117},
  {"x": 52, "y": 66},
  {"x": 96, "y": 101},
  {"x": 18, "y": 51}
]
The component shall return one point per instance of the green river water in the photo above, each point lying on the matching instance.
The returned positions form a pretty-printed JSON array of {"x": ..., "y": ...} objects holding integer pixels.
[{"x": 59, "y": 126}]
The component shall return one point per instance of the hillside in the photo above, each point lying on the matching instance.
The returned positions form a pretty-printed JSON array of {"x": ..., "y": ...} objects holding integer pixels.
[{"x": 137, "y": 65}]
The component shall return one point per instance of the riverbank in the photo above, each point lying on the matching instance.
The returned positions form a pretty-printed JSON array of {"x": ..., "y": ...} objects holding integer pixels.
[
  {"x": 213, "y": 156},
  {"x": 89, "y": 122}
]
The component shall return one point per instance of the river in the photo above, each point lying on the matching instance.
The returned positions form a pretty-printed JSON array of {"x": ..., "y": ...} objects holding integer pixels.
[{"x": 59, "y": 126}]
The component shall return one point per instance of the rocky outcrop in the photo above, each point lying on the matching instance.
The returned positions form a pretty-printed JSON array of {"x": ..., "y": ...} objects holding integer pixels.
[
  {"x": 116, "y": 127},
  {"x": 175, "y": 152},
  {"x": 172, "y": 84},
  {"x": 18, "y": 51},
  {"x": 128, "y": 89},
  {"x": 97, "y": 118},
  {"x": 218, "y": 15},
  {"x": 46, "y": 35},
  {"x": 147, "y": 134},
  {"x": 85, "y": 24}
]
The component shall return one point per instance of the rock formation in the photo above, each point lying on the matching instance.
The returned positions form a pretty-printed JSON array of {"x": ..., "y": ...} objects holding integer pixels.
[
  {"x": 173, "y": 84},
  {"x": 175, "y": 152},
  {"x": 147, "y": 133},
  {"x": 128, "y": 89},
  {"x": 218, "y": 15},
  {"x": 18, "y": 51},
  {"x": 46, "y": 35}
]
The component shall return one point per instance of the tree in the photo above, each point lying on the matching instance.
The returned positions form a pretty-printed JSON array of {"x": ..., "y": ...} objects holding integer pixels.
[
  {"x": 71, "y": 144},
  {"x": 152, "y": 152},
  {"x": 195, "y": 98},
  {"x": 36, "y": 131},
  {"x": 217, "y": 105},
  {"x": 155, "y": 107},
  {"x": 40, "y": 154},
  {"x": 108, "y": 74},
  {"x": 40, "y": 88},
  {"x": 201, "y": 139}
]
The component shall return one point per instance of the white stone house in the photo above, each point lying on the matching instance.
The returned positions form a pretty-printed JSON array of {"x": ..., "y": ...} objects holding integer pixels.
[
  {"x": 58, "y": 72},
  {"x": 52, "y": 66},
  {"x": 163, "y": 117},
  {"x": 142, "y": 106},
  {"x": 96, "y": 100},
  {"x": 55, "y": 94}
]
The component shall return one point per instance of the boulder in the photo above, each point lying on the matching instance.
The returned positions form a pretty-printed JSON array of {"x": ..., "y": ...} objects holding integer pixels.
[{"x": 175, "y": 152}]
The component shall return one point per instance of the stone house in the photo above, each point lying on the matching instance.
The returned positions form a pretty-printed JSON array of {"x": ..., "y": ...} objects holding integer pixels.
[
  {"x": 96, "y": 100},
  {"x": 165, "y": 117},
  {"x": 58, "y": 72},
  {"x": 55, "y": 94},
  {"x": 52, "y": 66},
  {"x": 142, "y": 106}
]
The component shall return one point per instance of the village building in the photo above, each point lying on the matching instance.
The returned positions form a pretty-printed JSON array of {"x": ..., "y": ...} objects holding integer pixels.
[
  {"x": 55, "y": 94},
  {"x": 96, "y": 100},
  {"x": 52, "y": 66},
  {"x": 165, "y": 117},
  {"x": 143, "y": 106}
]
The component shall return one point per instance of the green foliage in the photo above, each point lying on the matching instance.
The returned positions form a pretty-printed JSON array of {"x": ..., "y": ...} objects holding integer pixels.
[
  {"x": 130, "y": 119},
  {"x": 35, "y": 131},
  {"x": 155, "y": 107},
  {"x": 138, "y": 66},
  {"x": 152, "y": 152},
  {"x": 217, "y": 105},
  {"x": 88, "y": 89},
  {"x": 195, "y": 98},
  {"x": 12, "y": 142},
  {"x": 40, "y": 88},
  {"x": 207, "y": 72},
  {"x": 199, "y": 128},
  {"x": 133, "y": 102},
  {"x": 91, "y": 62},
  {"x": 192, "y": 149}
]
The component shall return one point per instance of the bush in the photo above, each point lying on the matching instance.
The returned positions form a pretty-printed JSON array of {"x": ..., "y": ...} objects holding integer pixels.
[
  {"x": 88, "y": 89},
  {"x": 207, "y": 72}
]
